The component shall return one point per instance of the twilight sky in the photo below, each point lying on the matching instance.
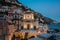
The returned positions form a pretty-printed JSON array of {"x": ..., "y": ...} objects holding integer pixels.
[{"x": 48, "y": 8}]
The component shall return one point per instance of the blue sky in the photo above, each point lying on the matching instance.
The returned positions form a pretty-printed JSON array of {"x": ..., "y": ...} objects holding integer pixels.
[{"x": 48, "y": 8}]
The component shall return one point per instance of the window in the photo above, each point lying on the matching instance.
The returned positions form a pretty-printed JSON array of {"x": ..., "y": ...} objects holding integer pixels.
[
  {"x": 27, "y": 21},
  {"x": 34, "y": 27},
  {"x": 22, "y": 27},
  {"x": 2, "y": 16}
]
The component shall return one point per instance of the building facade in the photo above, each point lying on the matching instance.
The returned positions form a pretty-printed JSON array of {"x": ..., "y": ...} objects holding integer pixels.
[
  {"x": 17, "y": 19},
  {"x": 28, "y": 20}
]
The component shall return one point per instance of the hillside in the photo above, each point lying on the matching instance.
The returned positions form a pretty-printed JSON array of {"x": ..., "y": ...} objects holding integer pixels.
[{"x": 42, "y": 19}]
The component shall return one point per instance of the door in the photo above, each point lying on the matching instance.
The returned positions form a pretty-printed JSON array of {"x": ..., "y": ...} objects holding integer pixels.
[
  {"x": 28, "y": 26},
  {"x": 34, "y": 27}
]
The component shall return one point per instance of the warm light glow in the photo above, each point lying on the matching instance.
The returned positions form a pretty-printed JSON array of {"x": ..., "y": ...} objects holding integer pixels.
[
  {"x": 29, "y": 16},
  {"x": 31, "y": 26},
  {"x": 24, "y": 16},
  {"x": 32, "y": 16},
  {"x": 25, "y": 25},
  {"x": 9, "y": 38}
]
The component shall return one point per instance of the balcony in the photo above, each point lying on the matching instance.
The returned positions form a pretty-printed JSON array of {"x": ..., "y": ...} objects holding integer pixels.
[
  {"x": 10, "y": 12},
  {"x": 4, "y": 8},
  {"x": 2, "y": 17},
  {"x": 20, "y": 19}
]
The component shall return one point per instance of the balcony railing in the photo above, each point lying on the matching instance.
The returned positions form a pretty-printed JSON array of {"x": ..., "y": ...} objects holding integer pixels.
[{"x": 2, "y": 17}]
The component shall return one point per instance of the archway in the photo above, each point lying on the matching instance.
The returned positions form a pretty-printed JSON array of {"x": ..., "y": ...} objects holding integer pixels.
[{"x": 15, "y": 38}]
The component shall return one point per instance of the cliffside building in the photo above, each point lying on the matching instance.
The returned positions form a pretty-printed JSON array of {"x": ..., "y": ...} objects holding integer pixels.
[{"x": 18, "y": 20}]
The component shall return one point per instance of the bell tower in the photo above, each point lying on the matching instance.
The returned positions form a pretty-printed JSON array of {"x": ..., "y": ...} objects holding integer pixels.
[
  {"x": 28, "y": 15},
  {"x": 28, "y": 20}
]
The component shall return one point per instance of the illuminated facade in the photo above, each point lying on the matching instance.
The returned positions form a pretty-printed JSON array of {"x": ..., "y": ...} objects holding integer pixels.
[
  {"x": 29, "y": 21},
  {"x": 17, "y": 18}
]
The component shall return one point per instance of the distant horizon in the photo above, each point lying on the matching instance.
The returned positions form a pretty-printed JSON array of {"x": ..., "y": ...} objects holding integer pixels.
[{"x": 48, "y": 8}]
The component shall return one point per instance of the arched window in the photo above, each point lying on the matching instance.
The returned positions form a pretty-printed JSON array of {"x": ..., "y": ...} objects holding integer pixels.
[{"x": 15, "y": 38}]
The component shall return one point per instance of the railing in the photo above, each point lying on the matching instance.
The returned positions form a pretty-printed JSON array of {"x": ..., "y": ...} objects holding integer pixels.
[{"x": 2, "y": 17}]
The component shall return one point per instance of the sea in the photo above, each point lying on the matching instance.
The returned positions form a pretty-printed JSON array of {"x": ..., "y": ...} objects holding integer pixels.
[{"x": 54, "y": 26}]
